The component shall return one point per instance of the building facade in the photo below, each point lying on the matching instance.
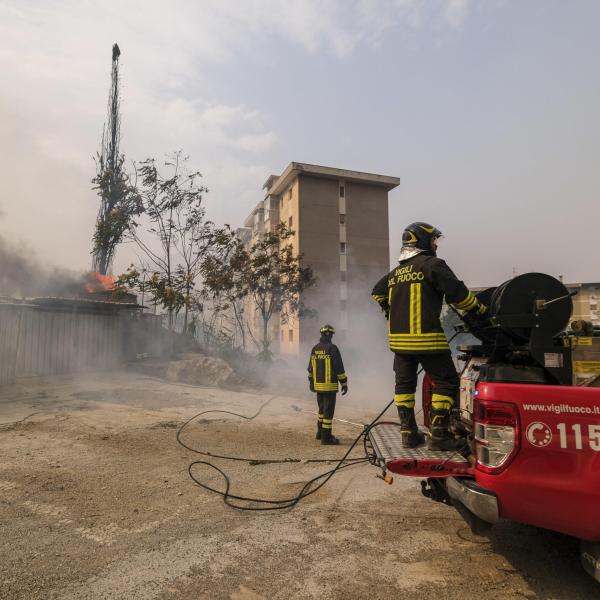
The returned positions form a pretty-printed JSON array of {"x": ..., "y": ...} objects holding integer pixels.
[
  {"x": 341, "y": 225},
  {"x": 585, "y": 301}
]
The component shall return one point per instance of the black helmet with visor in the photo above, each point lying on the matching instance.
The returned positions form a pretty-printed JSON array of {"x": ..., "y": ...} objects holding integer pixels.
[{"x": 420, "y": 235}]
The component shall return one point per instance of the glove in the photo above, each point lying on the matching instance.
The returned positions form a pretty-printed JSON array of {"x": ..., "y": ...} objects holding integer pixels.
[
  {"x": 474, "y": 320},
  {"x": 311, "y": 384},
  {"x": 344, "y": 389}
]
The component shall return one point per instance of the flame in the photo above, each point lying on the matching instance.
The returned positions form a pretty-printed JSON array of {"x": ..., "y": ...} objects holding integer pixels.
[{"x": 96, "y": 282}]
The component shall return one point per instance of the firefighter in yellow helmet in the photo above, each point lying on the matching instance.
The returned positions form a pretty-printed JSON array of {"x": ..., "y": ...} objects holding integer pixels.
[
  {"x": 325, "y": 371},
  {"x": 411, "y": 296}
]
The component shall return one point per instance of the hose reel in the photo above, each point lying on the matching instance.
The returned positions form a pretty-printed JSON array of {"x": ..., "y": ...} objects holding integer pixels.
[
  {"x": 529, "y": 305},
  {"x": 525, "y": 315}
]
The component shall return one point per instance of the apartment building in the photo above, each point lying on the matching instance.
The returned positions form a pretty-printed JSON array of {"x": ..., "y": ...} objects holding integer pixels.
[
  {"x": 585, "y": 302},
  {"x": 341, "y": 224}
]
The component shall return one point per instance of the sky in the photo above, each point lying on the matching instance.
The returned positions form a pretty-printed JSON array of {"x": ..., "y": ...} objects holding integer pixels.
[{"x": 487, "y": 111}]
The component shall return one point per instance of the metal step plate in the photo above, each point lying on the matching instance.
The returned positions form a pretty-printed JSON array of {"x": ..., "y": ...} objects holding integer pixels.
[
  {"x": 417, "y": 462},
  {"x": 387, "y": 444}
]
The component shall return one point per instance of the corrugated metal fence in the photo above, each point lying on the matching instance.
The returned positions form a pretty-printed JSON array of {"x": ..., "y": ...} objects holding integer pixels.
[
  {"x": 10, "y": 318},
  {"x": 36, "y": 341}
]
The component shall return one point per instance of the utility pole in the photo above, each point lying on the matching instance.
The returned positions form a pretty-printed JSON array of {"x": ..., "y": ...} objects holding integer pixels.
[
  {"x": 119, "y": 200},
  {"x": 108, "y": 163},
  {"x": 114, "y": 118}
]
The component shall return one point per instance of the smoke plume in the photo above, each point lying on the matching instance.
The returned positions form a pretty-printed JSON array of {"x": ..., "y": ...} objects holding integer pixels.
[{"x": 21, "y": 275}]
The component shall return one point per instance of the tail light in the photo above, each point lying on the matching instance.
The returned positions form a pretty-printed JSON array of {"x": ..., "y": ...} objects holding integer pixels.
[{"x": 496, "y": 428}]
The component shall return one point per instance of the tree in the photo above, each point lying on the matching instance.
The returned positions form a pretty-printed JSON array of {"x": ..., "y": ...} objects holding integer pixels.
[
  {"x": 119, "y": 201},
  {"x": 225, "y": 272},
  {"x": 178, "y": 235},
  {"x": 193, "y": 237},
  {"x": 275, "y": 279}
]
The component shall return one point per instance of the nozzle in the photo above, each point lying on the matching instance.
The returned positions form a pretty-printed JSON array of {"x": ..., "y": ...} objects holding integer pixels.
[{"x": 387, "y": 478}]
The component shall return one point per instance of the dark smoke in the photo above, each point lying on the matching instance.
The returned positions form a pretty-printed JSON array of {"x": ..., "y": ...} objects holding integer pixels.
[{"x": 22, "y": 276}]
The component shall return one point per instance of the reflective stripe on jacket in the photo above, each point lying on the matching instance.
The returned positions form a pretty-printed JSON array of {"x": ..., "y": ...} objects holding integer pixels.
[
  {"x": 412, "y": 296},
  {"x": 325, "y": 367}
]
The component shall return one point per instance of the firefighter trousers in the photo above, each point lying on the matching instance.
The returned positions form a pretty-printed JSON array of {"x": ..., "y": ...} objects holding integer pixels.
[
  {"x": 326, "y": 402},
  {"x": 439, "y": 367}
]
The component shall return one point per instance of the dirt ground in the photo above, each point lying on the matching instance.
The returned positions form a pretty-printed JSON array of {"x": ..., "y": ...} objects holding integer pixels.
[{"x": 96, "y": 502}]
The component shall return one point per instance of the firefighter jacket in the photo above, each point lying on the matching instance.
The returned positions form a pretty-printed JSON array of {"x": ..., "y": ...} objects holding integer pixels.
[
  {"x": 411, "y": 296},
  {"x": 325, "y": 367}
]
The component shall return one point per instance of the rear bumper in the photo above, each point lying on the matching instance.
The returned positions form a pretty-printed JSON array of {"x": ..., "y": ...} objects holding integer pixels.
[{"x": 481, "y": 502}]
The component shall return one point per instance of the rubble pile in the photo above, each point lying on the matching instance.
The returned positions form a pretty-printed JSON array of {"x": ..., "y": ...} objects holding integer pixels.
[{"x": 198, "y": 369}]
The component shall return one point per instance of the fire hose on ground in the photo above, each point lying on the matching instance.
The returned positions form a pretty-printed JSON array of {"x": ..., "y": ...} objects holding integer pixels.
[{"x": 267, "y": 504}]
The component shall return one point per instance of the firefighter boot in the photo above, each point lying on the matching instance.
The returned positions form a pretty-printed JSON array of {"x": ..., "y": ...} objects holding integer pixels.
[
  {"x": 409, "y": 432},
  {"x": 441, "y": 438},
  {"x": 327, "y": 438},
  {"x": 319, "y": 430}
]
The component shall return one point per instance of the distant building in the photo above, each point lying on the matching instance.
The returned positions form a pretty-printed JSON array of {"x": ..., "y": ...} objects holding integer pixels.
[
  {"x": 341, "y": 225},
  {"x": 585, "y": 302}
]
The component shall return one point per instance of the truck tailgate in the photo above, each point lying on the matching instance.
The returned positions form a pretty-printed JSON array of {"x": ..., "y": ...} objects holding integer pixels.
[{"x": 387, "y": 452}]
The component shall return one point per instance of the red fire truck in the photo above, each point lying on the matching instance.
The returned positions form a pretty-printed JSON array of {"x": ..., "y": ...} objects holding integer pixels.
[{"x": 529, "y": 417}]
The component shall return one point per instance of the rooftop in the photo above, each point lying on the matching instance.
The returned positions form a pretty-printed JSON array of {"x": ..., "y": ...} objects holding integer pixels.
[
  {"x": 583, "y": 284},
  {"x": 276, "y": 185},
  {"x": 72, "y": 304}
]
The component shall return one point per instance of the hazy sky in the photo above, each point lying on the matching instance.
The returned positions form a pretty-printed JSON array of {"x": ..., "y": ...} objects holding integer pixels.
[{"x": 488, "y": 112}]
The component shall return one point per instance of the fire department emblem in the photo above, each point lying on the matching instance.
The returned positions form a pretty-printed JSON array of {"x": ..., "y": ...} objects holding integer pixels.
[{"x": 538, "y": 434}]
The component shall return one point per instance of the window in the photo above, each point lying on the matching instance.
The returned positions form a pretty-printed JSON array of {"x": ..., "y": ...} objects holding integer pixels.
[
  {"x": 291, "y": 335},
  {"x": 343, "y": 276},
  {"x": 342, "y": 247},
  {"x": 342, "y": 219},
  {"x": 342, "y": 190},
  {"x": 290, "y": 222}
]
